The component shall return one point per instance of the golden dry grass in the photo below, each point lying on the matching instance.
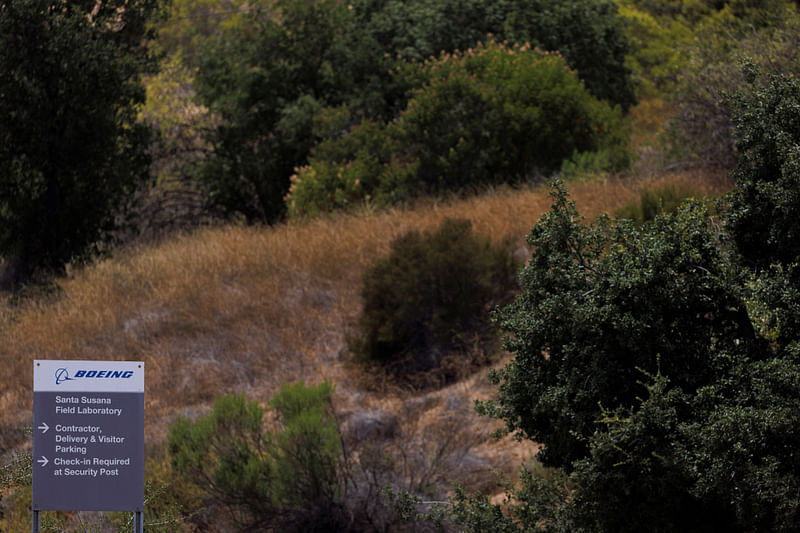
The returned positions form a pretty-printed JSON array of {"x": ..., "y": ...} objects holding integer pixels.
[{"x": 248, "y": 308}]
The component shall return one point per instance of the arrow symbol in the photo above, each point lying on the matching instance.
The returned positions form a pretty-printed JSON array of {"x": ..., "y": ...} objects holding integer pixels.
[
  {"x": 43, "y": 461},
  {"x": 44, "y": 427}
]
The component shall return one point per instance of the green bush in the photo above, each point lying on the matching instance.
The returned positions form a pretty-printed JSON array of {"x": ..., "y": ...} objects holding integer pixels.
[
  {"x": 287, "y": 477},
  {"x": 640, "y": 371},
  {"x": 431, "y": 297},
  {"x": 600, "y": 302},
  {"x": 653, "y": 202},
  {"x": 589, "y": 33},
  {"x": 492, "y": 114},
  {"x": 765, "y": 216}
]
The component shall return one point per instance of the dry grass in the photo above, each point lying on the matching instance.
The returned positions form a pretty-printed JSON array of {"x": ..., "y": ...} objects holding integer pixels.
[{"x": 246, "y": 309}]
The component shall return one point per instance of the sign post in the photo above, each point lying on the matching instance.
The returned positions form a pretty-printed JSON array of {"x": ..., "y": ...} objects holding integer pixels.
[{"x": 88, "y": 443}]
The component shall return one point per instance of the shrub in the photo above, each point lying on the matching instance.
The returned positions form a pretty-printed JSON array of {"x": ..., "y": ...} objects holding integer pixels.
[
  {"x": 492, "y": 114},
  {"x": 286, "y": 477},
  {"x": 653, "y": 202},
  {"x": 431, "y": 296},
  {"x": 765, "y": 216},
  {"x": 589, "y": 33}
]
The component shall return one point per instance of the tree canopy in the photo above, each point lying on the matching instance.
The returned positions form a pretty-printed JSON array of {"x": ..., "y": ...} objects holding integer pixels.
[
  {"x": 71, "y": 149},
  {"x": 283, "y": 63},
  {"x": 658, "y": 365}
]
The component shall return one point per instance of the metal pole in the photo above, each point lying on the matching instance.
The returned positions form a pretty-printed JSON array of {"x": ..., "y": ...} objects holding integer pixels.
[
  {"x": 35, "y": 521},
  {"x": 139, "y": 522}
]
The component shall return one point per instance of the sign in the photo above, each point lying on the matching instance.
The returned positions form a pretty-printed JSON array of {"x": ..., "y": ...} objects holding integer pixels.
[{"x": 88, "y": 435}]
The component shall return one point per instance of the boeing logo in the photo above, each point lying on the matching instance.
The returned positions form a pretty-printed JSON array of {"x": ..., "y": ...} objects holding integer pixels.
[{"x": 62, "y": 375}]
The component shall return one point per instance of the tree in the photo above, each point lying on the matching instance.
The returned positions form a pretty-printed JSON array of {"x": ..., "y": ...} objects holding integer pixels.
[
  {"x": 269, "y": 74},
  {"x": 589, "y": 33},
  {"x": 491, "y": 114},
  {"x": 601, "y": 302},
  {"x": 660, "y": 366},
  {"x": 71, "y": 149},
  {"x": 267, "y": 77},
  {"x": 765, "y": 215}
]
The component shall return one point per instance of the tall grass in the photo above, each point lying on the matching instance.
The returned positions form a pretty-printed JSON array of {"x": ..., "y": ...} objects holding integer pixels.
[{"x": 246, "y": 308}]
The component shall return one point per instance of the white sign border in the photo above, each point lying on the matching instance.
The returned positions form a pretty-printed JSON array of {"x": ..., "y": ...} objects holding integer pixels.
[{"x": 56, "y": 375}]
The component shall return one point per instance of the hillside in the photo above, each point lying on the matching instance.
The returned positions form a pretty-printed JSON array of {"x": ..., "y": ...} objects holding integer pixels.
[{"x": 245, "y": 309}]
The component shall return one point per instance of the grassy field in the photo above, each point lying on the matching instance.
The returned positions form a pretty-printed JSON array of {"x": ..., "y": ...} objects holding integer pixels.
[{"x": 248, "y": 308}]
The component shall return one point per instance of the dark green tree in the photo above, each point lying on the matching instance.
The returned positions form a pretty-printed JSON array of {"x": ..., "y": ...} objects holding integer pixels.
[
  {"x": 589, "y": 33},
  {"x": 601, "y": 302},
  {"x": 660, "y": 366},
  {"x": 71, "y": 149},
  {"x": 492, "y": 114},
  {"x": 765, "y": 214},
  {"x": 267, "y": 77},
  {"x": 280, "y": 64}
]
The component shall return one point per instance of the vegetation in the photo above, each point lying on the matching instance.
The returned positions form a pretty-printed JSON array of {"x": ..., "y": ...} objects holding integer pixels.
[
  {"x": 71, "y": 150},
  {"x": 430, "y": 299},
  {"x": 489, "y": 115},
  {"x": 281, "y": 66},
  {"x": 652, "y": 358},
  {"x": 286, "y": 477}
]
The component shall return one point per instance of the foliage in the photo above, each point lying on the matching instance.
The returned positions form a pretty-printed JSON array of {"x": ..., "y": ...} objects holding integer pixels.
[
  {"x": 492, "y": 114},
  {"x": 275, "y": 67},
  {"x": 694, "y": 427},
  {"x": 267, "y": 76},
  {"x": 589, "y": 33},
  {"x": 653, "y": 202},
  {"x": 601, "y": 301},
  {"x": 191, "y": 23},
  {"x": 432, "y": 295},
  {"x": 659, "y": 49},
  {"x": 765, "y": 215},
  {"x": 71, "y": 148},
  {"x": 703, "y": 127},
  {"x": 287, "y": 476},
  {"x": 364, "y": 165}
]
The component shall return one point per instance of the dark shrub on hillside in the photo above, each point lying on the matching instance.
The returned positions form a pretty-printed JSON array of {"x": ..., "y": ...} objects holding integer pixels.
[{"x": 430, "y": 298}]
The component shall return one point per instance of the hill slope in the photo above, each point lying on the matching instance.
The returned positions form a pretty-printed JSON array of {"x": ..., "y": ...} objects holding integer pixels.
[{"x": 248, "y": 308}]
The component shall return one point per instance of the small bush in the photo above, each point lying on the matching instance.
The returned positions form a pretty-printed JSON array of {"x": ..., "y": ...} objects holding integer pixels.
[
  {"x": 286, "y": 477},
  {"x": 431, "y": 297},
  {"x": 653, "y": 202}
]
